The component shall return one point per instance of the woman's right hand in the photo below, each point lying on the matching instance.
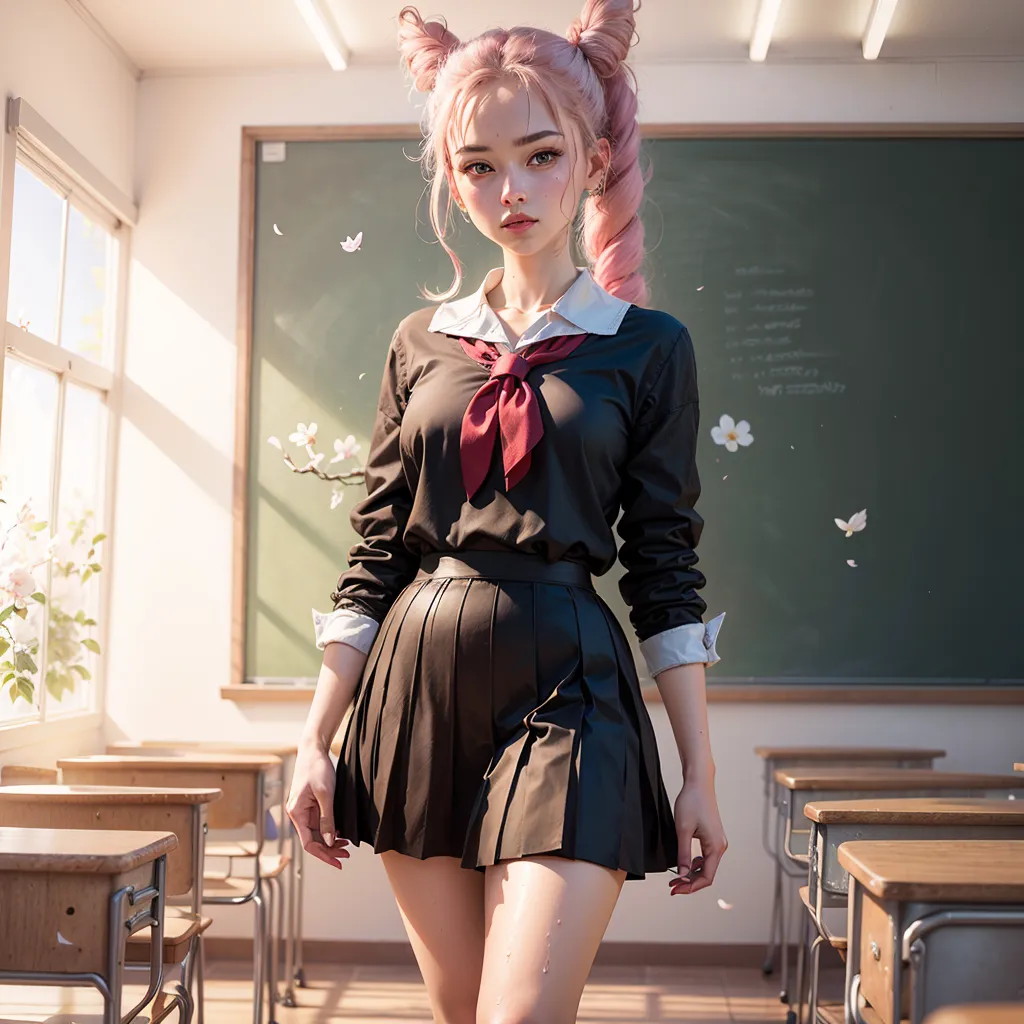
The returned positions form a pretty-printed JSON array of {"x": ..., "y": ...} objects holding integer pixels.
[{"x": 311, "y": 806}]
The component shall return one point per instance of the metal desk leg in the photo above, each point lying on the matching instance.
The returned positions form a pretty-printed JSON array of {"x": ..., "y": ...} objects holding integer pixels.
[
  {"x": 300, "y": 874},
  {"x": 291, "y": 937},
  {"x": 769, "y": 957}
]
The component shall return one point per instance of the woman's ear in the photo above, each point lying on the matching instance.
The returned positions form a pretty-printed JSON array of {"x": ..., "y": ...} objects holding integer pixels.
[{"x": 600, "y": 160}]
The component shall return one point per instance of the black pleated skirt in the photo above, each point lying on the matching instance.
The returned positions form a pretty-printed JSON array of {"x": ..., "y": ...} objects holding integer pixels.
[{"x": 499, "y": 716}]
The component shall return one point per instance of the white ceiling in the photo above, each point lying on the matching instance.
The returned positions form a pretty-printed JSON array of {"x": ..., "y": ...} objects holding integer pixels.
[{"x": 188, "y": 36}]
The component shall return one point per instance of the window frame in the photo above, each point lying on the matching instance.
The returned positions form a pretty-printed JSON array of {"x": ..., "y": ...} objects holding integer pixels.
[{"x": 28, "y": 139}]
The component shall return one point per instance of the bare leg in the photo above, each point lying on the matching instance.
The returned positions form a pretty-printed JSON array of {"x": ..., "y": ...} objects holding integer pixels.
[
  {"x": 442, "y": 907},
  {"x": 545, "y": 919}
]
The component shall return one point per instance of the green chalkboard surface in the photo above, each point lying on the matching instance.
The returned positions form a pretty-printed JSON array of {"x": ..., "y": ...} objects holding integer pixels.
[{"x": 855, "y": 300}]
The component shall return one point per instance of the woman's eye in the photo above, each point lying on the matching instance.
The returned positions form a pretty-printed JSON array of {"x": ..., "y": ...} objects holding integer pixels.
[
  {"x": 551, "y": 153},
  {"x": 472, "y": 168}
]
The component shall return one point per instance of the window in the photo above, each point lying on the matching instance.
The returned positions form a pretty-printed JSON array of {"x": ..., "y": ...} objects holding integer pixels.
[{"x": 59, "y": 355}]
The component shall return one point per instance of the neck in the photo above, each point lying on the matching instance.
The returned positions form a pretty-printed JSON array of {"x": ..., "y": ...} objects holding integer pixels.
[{"x": 531, "y": 282}]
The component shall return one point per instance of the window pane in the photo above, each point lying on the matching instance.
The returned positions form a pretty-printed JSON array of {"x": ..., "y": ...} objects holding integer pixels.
[
  {"x": 90, "y": 281},
  {"x": 35, "y": 255},
  {"x": 27, "y": 433},
  {"x": 75, "y": 592}
]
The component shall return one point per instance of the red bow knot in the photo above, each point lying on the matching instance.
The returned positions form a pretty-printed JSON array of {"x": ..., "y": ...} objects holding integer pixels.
[{"x": 506, "y": 406}]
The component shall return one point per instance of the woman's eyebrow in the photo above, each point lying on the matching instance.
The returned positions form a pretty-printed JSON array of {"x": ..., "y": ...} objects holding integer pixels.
[{"x": 524, "y": 141}]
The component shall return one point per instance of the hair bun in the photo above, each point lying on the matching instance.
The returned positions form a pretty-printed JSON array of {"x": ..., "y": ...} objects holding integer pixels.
[
  {"x": 604, "y": 33},
  {"x": 424, "y": 45}
]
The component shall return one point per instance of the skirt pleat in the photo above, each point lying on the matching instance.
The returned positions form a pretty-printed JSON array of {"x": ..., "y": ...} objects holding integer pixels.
[{"x": 502, "y": 718}]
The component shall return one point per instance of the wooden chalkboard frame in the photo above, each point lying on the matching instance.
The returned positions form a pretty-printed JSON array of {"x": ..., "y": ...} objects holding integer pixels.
[{"x": 239, "y": 690}]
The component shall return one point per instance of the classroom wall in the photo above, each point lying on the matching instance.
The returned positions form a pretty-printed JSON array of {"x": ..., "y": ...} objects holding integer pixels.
[
  {"x": 51, "y": 58},
  {"x": 172, "y": 557}
]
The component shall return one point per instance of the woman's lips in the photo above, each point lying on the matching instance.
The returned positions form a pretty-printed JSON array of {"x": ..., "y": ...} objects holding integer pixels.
[{"x": 519, "y": 225}]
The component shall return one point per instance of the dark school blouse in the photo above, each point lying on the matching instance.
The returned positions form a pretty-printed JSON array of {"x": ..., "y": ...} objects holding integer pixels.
[{"x": 620, "y": 417}]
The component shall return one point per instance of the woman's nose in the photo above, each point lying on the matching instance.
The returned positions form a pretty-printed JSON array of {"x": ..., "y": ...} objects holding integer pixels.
[{"x": 512, "y": 193}]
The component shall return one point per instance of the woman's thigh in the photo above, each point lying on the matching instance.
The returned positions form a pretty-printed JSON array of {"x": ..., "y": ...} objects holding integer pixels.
[
  {"x": 545, "y": 917},
  {"x": 442, "y": 907}
]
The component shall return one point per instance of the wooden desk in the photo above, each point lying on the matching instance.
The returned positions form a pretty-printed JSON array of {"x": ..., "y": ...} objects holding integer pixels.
[
  {"x": 933, "y": 923},
  {"x": 790, "y": 756},
  {"x": 799, "y": 786},
  {"x": 294, "y": 959},
  {"x": 72, "y": 898},
  {"x": 250, "y": 783},
  {"x": 914, "y": 818}
]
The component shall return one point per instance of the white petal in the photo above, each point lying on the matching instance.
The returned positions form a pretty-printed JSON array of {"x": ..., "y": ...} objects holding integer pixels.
[
  {"x": 724, "y": 905},
  {"x": 746, "y": 440},
  {"x": 718, "y": 435},
  {"x": 851, "y": 563},
  {"x": 362, "y": 375},
  {"x": 860, "y": 520},
  {"x": 312, "y": 429},
  {"x": 277, "y": 230},
  {"x": 731, "y": 446},
  {"x": 727, "y": 423},
  {"x": 842, "y": 524},
  {"x": 274, "y": 441},
  {"x": 743, "y": 427}
]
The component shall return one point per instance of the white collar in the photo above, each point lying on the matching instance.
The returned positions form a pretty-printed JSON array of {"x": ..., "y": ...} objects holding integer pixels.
[{"x": 584, "y": 307}]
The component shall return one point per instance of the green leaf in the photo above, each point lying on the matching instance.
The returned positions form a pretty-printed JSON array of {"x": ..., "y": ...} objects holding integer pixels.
[
  {"x": 89, "y": 622},
  {"x": 91, "y": 645},
  {"x": 7, "y": 612},
  {"x": 26, "y": 689},
  {"x": 23, "y": 662},
  {"x": 4, "y": 646},
  {"x": 39, "y": 596},
  {"x": 38, "y": 527},
  {"x": 8, "y": 677},
  {"x": 80, "y": 616},
  {"x": 86, "y": 575},
  {"x": 95, "y": 566},
  {"x": 21, "y": 612},
  {"x": 99, "y": 537},
  {"x": 82, "y": 671},
  {"x": 13, "y": 691}
]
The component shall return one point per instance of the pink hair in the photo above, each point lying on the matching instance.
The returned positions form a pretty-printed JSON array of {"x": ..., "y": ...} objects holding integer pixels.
[{"x": 584, "y": 75}]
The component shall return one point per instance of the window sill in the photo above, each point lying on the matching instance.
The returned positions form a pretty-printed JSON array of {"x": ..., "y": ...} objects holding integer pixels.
[{"x": 26, "y": 734}]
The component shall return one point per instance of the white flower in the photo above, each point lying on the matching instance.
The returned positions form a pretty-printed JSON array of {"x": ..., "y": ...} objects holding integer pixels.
[
  {"x": 855, "y": 525},
  {"x": 26, "y": 517},
  {"x": 337, "y": 496},
  {"x": 351, "y": 244},
  {"x": 317, "y": 459},
  {"x": 345, "y": 449},
  {"x": 851, "y": 563},
  {"x": 274, "y": 441},
  {"x": 304, "y": 435},
  {"x": 19, "y": 583},
  {"x": 732, "y": 434}
]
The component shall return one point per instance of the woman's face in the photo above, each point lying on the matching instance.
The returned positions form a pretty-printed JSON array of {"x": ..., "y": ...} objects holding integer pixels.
[{"x": 515, "y": 163}]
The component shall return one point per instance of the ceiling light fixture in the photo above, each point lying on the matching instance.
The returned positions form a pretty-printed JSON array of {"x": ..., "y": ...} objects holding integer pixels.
[
  {"x": 878, "y": 25},
  {"x": 764, "y": 25},
  {"x": 323, "y": 26}
]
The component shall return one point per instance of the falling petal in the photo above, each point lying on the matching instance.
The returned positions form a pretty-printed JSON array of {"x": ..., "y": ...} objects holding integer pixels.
[
  {"x": 274, "y": 441},
  {"x": 724, "y": 905},
  {"x": 351, "y": 244},
  {"x": 277, "y": 230},
  {"x": 701, "y": 288},
  {"x": 362, "y": 375},
  {"x": 62, "y": 941},
  {"x": 726, "y": 477},
  {"x": 851, "y": 563}
]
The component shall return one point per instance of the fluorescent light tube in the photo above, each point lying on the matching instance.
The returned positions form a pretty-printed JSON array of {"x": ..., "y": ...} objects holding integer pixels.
[
  {"x": 764, "y": 25},
  {"x": 326, "y": 32},
  {"x": 878, "y": 25}
]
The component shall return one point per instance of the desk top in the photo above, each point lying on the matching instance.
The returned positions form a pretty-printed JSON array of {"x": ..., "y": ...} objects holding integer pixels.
[
  {"x": 203, "y": 746},
  {"x": 86, "y": 851},
  {"x": 925, "y": 810},
  {"x": 978, "y": 1013},
  {"x": 866, "y": 754},
  {"x": 198, "y": 759},
  {"x": 109, "y": 794},
  {"x": 1019, "y": 766},
  {"x": 874, "y": 778},
  {"x": 960, "y": 871}
]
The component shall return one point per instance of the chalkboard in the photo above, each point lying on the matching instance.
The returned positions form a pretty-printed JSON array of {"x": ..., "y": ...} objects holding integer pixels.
[{"x": 852, "y": 299}]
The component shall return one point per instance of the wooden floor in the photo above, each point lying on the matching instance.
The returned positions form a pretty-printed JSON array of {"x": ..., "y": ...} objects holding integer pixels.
[{"x": 348, "y": 994}]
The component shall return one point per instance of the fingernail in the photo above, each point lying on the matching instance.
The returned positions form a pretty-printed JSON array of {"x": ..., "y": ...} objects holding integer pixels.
[{"x": 329, "y": 838}]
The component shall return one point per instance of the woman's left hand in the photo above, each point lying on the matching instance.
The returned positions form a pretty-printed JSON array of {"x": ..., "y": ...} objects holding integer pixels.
[{"x": 697, "y": 817}]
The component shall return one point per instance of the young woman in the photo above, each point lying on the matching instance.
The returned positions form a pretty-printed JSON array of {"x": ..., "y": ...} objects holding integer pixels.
[{"x": 499, "y": 755}]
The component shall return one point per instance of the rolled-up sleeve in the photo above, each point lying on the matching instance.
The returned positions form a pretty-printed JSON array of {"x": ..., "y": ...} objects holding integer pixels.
[
  {"x": 659, "y": 525},
  {"x": 379, "y": 564}
]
